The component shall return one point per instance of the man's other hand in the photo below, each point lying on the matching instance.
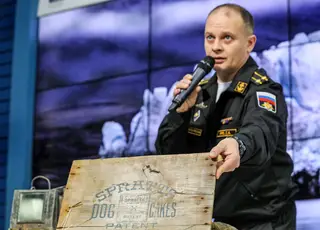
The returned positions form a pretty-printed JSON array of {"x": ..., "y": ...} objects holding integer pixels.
[{"x": 229, "y": 150}]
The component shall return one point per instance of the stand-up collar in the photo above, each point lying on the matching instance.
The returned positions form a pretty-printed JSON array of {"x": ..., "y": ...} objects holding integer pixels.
[{"x": 241, "y": 80}]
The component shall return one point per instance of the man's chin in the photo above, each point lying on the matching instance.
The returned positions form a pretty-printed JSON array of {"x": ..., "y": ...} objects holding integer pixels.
[
  {"x": 218, "y": 68},
  {"x": 222, "y": 70}
]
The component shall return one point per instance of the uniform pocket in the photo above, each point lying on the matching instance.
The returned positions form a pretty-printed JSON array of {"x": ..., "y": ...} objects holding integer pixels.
[{"x": 250, "y": 192}]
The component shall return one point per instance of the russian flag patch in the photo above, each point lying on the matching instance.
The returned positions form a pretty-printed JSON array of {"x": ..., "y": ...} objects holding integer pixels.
[{"x": 267, "y": 101}]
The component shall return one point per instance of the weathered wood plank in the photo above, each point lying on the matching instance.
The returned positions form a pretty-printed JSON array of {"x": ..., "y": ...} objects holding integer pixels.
[{"x": 152, "y": 192}]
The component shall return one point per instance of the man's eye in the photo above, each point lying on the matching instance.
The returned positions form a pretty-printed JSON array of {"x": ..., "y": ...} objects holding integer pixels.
[
  {"x": 209, "y": 37},
  {"x": 227, "y": 37}
]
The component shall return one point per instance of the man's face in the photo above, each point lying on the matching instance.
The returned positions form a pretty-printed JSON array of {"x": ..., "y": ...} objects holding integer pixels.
[{"x": 227, "y": 40}]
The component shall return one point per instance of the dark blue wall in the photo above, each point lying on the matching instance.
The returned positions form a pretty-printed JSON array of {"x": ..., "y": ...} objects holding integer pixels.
[
  {"x": 7, "y": 19},
  {"x": 19, "y": 98}
]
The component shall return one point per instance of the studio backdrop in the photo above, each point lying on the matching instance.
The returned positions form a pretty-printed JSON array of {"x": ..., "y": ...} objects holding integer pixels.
[{"x": 106, "y": 73}]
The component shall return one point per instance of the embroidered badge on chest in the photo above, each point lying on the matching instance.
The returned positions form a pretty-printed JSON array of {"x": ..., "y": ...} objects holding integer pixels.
[
  {"x": 196, "y": 115},
  {"x": 225, "y": 121},
  {"x": 226, "y": 132},
  {"x": 267, "y": 101},
  {"x": 201, "y": 105},
  {"x": 195, "y": 131}
]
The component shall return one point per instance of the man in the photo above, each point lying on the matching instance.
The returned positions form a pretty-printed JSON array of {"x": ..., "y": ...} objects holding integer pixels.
[{"x": 240, "y": 114}]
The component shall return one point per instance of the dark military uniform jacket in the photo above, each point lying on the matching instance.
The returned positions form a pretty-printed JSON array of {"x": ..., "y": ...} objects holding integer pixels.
[{"x": 253, "y": 108}]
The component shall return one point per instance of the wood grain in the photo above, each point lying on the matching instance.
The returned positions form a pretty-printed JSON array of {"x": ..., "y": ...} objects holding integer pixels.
[{"x": 150, "y": 192}]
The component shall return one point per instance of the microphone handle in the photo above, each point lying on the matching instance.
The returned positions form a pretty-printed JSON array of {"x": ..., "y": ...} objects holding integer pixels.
[{"x": 179, "y": 99}]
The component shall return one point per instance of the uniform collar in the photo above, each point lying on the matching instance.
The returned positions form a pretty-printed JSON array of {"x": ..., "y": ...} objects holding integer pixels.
[{"x": 241, "y": 81}]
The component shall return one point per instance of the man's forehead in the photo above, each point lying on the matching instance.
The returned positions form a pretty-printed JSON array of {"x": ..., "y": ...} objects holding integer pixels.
[
  {"x": 224, "y": 11},
  {"x": 225, "y": 18}
]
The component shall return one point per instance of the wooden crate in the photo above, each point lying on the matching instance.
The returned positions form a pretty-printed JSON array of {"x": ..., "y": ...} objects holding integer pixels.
[{"x": 169, "y": 192}]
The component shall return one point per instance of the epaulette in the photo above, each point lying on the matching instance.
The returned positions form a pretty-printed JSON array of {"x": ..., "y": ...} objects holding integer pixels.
[
  {"x": 203, "y": 82},
  {"x": 259, "y": 77}
]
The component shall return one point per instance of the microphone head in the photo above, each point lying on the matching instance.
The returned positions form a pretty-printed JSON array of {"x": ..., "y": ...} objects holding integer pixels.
[{"x": 206, "y": 64}]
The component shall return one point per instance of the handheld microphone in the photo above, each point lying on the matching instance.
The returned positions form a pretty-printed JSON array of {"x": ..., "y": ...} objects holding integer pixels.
[{"x": 203, "y": 68}]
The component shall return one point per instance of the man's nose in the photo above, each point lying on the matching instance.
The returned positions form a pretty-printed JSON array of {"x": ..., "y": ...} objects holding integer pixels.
[{"x": 217, "y": 46}]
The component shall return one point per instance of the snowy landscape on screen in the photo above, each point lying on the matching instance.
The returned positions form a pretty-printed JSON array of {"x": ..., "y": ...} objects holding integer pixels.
[{"x": 305, "y": 104}]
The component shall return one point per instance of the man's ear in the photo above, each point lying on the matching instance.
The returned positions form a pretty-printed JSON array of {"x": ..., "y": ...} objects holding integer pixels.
[{"x": 252, "y": 39}]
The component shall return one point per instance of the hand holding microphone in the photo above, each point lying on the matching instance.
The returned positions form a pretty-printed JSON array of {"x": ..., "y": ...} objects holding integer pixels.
[
  {"x": 186, "y": 92},
  {"x": 191, "y": 100}
]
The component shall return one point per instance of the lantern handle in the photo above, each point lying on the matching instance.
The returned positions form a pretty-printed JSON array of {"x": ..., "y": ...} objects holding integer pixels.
[{"x": 40, "y": 177}]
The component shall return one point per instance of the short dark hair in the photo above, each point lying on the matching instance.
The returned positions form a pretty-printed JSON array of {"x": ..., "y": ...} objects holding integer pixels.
[{"x": 244, "y": 13}]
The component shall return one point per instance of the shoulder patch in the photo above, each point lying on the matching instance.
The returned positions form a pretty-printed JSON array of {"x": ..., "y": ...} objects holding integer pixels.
[
  {"x": 203, "y": 82},
  {"x": 259, "y": 77},
  {"x": 267, "y": 101}
]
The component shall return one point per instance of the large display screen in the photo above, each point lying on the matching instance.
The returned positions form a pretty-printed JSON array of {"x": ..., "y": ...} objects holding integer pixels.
[{"x": 106, "y": 74}]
